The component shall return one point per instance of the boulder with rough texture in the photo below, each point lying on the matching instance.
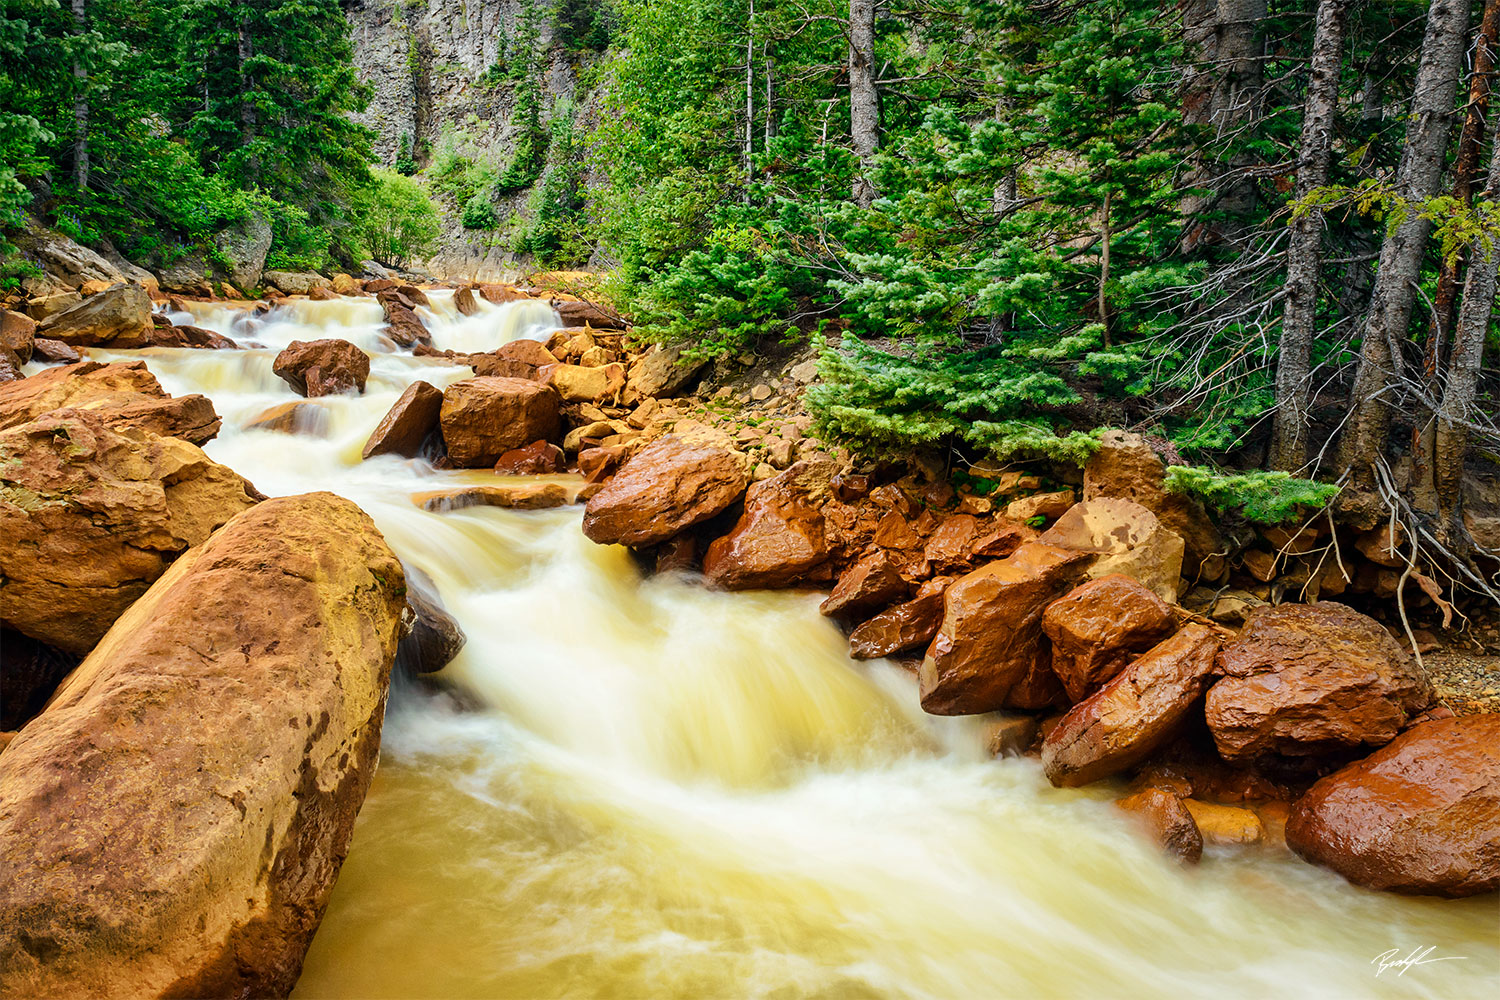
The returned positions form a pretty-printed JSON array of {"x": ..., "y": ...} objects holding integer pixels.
[
  {"x": 1048, "y": 506},
  {"x": 575, "y": 383},
  {"x": 407, "y": 423},
  {"x": 1226, "y": 826},
  {"x": 661, "y": 372},
  {"x": 124, "y": 395},
  {"x": 296, "y": 282},
  {"x": 322, "y": 367},
  {"x": 1125, "y": 467},
  {"x": 781, "y": 539},
  {"x": 1169, "y": 821},
  {"x": 906, "y": 626},
  {"x": 404, "y": 326},
  {"x": 1125, "y": 538},
  {"x": 118, "y": 317},
  {"x": 485, "y": 417},
  {"x": 55, "y": 351},
  {"x": 346, "y": 284},
  {"x": 991, "y": 635},
  {"x": 173, "y": 823},
  {"x": 17, "y": 334},
  {"x": 1420, "y": 815},
  {"x": 873, "y": 582},
  {"x": 1304, "y": 680},
  {"x": 1097, "y": 628},
  {"x": 62, "y": 262},
  {"x": 91, "y": 515},
  {"x": 667, "y": 486},
  {"x": 1134, "y": 715},
  {"x": 536, "y": 459},
  {"x": 10, "y": 368},
  {"x": 516, "y": 359},
  {"x": 600, "y": 317}
]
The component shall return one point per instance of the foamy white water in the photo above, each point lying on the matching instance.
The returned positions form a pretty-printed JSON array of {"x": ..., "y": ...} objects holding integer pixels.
[{"x": 673, "y": 792}]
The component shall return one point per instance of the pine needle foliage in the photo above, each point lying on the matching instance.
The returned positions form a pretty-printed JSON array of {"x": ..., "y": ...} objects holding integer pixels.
[{"x": 1260, "y": 497}]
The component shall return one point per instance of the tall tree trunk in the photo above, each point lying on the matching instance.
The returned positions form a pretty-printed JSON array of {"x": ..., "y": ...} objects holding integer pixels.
[
  {"x": 1440, "y": 330},
  {"x": 1474, "y": 315},
  {"x": 1304, "y": 255},
  {"x": 80, "y": 101},
  {"x": 1429, "y": 125},
  {"x": 864, "y": 106},
  {"x": 749, "y": 99}
]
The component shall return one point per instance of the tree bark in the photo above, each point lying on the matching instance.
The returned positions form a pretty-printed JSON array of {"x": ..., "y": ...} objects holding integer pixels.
[
  {"x": 1474, "y": 315},
  {"x": 80, "y": 101},
  {"x": 864, "y": 106},
  {"x": 1417, "y": 177},
  {"x": 1304, "y": 254},
  {"x": 749, "y": 99}
]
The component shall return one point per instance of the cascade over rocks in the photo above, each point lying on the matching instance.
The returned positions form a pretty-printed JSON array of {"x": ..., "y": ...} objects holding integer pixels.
[
  {"x": 1304, "y": 680},
  {"x": 173, "y": 823},
  {"x": 1420, "y": 815},
  {"x": 124, "y": 395},
  {"x": 407, "y": 423},
  {"x": 1135, "y": 714},
  {"x": 483, "y": 418},
  {"x": 1098, "y": 627},
  {"x": 664, "y": 488},
  {"x": 322, "y": 367},
  {"x": 991, "y": 635},
  {"x": 91, "y": 514},
  {"x": 781, "y": 539},
  {"x": 118, "y": 317}
]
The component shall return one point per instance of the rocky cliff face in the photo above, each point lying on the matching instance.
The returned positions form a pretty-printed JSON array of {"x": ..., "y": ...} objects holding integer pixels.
[{"x": 442, "y": 92}]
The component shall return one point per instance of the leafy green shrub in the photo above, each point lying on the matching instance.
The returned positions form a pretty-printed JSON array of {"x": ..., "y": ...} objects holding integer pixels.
[
  {"x": 396, "y": 219},
  {"x": 296, "y": 244},
  {"x": 1260, "y": 497},
  {"x": 479, "y": 213}
]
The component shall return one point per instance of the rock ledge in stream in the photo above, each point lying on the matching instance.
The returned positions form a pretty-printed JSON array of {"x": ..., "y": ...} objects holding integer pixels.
[
  {"x": 124, "y": 394},
  {"x": 172, "y": 825}
]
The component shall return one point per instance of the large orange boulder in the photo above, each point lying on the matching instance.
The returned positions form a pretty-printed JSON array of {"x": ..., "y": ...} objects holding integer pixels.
[
  {"x": 902, "y": 627},
  {"x": 872, "y": 582},
  {"x": 991, "y": 636},
  {"x": 118, "y": 317},
  {"x": 664, "y": 488},
  {"x": 407, "y": 423},
  {"x": 125, "y": 395},
  {"x": 1304, "y": 680},
  {"x": 322, "y": 367},
  {"x": 1125, "y": 467},
  {"x": 1097, "y": 628},
  {"x": 781, "y": 539},
  {"x": 91, "y": 515},
  {"x": 600, "y": 317},
  {"x": 17, "y": 335},
  {"x": 1125, "y": 539},
  {"x": 1419, "y": 815},
  {"x": 1134, "y": 715},
  {"x": 174, "y": 822},
  {"x": 485, "y": 417}
]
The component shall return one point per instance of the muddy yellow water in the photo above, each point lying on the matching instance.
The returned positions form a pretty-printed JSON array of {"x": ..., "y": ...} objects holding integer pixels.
[{"x": 654, "y": 790}]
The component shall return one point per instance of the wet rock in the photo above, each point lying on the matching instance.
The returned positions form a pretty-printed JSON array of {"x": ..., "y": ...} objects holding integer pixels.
[
  {"x": 991, "y": 634},
  {"x": 600, "y": 317},
  {"x": 292, "y": 418},
  {"x": 1310, "y": 679},
  {"x": 17, "y": 334},
  {"x": 906, "y": 626},
  {"x": 1420, "y": 815},
  {"x": 10, "y": 368},
  {"x": 1226, "y": 826},
  {"x": 1125, "y": 467},
  {"x": 780, "y": 540},
  {"x": 872, "y": 582},
  {"x": 29, "y": 672},
  {"x": 1135, "y": 714},
  {"x": 55, "y": 350},
  {"x": 90, "y": 515},
  {"x": 1099, "y": 627},
  {"x": 124, "y": 395},
  {"x": 197, "y": 336},
  {"x": 403, "y": 326},
  {"x": 344, "y": 284},
  {"x": 951, "y": 547},
  {"x": 463, "y": 301},
  {"x": 520, "y": 496},
  {"x": 1125, "y": 538},
  {"x": 598, "y": 464},
  {"x": 119, "y": 317},
  {"x": 535, "y": 459},
  {"x": 435, "y": 637},
  {"x": 500, "y": 294},
  {"x": 1010, "y": 735},
  {"x": 1169, "y": 822},
  {"x": 322, "y": 367},
  {"x": 322, "y": 293},
  {"x": 661, "y": 372},
  {"x": 174, "y": 823},
  {"x": 483, "y": 418},
  {"x": 296, "y": 282},
  {"x": 407, "y": 423},
  {"x": 667, "y": 486}
]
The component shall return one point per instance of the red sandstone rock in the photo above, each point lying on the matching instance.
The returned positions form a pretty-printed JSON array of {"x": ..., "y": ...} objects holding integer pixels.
[
  {"x": 1135, "y": 714},
  {"x": 124, "y": 395},
  {"x": 1421, "y": 815},
  {"x": 872, "y": 582},
  {"x": 1169, "y": 821},
  {"x": 666, "y": 487},
  {"x": 463, "y": 301},
  {"x": 951, "y": 547},
  {"x": 483, "y": 418},
  {"x": 407, "y": 423},
  {"x": 991, "y": 635},
  {"x": 1097, "y": 628},
  {"x": 906, "y": 626},
  {"x": 322, "y": 367},
  {"x": 536, "y": 459},
  {"x": 1309, "y": 679},
  {"x": 781, "y": 539}
]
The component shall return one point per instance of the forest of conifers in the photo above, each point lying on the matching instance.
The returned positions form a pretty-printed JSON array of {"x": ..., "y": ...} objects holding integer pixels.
[{"x": 1263, "y": 231}]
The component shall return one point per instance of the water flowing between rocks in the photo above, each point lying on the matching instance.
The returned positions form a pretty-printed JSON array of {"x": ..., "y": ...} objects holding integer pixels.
[{"x": 673, "y": 792}]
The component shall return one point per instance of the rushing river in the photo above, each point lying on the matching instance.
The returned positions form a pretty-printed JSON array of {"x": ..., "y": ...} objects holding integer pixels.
[{"x": 673, "y": 792}]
